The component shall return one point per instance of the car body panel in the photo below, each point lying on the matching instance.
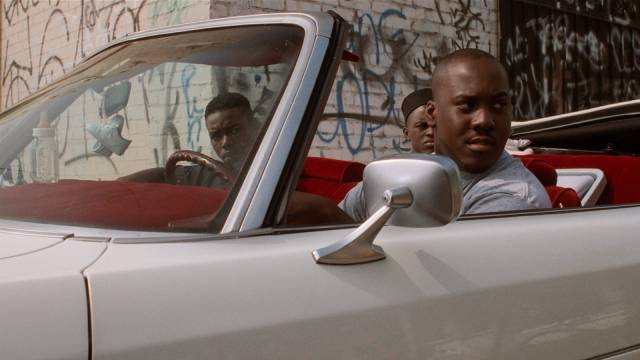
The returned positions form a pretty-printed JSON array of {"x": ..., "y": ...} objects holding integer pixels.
[
  {"x": 471, "y": 289},
  {"x": 44, "y": 300},
  {"x": 17, "y": 244}
]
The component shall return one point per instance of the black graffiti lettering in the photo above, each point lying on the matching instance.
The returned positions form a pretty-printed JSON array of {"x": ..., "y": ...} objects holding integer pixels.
[{"x": 570, "y": 62}]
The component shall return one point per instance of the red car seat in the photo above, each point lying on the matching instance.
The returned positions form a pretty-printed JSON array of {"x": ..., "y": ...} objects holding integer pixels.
[
  {"x": 329, "y": 177},
  {"x": 560, "y": 197},
  {"x": 334, "y": 178}
]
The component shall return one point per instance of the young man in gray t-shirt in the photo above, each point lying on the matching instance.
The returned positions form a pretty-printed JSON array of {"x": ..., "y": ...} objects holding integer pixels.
[{"x": 471, "y": 109}]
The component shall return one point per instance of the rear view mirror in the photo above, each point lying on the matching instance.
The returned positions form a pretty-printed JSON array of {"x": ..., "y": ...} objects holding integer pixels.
[
  {"x": 116, "y": 98},
  {"x": 413, "y": 190}
]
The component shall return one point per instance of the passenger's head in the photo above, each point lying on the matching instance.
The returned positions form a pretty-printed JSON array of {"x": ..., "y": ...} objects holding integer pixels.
[
  {"x": 230, "y": 123},
  {"x": 471, "y": 107},
  {"x": 416, "y": 128}
]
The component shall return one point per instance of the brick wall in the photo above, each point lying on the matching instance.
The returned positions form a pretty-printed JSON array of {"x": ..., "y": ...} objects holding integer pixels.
[
  {"x": 41, "y": 40},
  {"x": 397, "y": 41}
]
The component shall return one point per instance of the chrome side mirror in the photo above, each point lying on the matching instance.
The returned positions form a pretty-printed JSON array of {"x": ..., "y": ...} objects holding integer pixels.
[
  {"x": 413, "y": 190},
  {"x": 434, "y": 182}
]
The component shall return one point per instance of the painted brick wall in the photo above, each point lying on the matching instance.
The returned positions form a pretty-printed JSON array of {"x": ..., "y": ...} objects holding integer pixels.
[
  {"x": 397, "y": 41},
  {"x": 41, "y": 40}
]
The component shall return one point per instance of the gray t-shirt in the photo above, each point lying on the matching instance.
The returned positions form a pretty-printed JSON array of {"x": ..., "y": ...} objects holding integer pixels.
[{"x": 506, "y": 186}]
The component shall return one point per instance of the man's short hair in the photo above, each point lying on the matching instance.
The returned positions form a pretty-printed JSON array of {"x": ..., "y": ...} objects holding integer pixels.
[
  {"x": 471, "y": 54},
  {"x": 227, "y": 101}
]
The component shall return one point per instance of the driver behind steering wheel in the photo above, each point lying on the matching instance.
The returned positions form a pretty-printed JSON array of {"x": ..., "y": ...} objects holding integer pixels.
[
  {"x": 230, "y": 123},
  {"x": 231, "y": 127}
]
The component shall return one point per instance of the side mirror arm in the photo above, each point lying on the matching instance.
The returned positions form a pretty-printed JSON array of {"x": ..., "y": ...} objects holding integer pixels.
[{"x": 358, "y": 247}]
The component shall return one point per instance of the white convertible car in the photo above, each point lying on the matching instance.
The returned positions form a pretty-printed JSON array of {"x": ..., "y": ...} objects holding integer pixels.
[{"x": 130, "y": 228}]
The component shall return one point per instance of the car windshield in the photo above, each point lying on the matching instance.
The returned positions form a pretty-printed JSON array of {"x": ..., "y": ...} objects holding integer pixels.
[{"x": 154, "y": 133}]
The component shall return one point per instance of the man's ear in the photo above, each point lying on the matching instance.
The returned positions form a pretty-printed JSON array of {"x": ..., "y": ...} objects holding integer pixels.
[
  {"x": 405, "y": 132},
  {"x": 430, "y": 112}
]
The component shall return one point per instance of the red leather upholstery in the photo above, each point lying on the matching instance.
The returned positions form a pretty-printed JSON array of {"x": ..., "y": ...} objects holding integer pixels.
[
  {"x": 542, "y": 170},
  {"x": 560, "y": 197},
  {"x": 622, "y": 173},
  {"x": 329, "y": 177},
  {"x": 332, "y": 169},
  {"x": 119, "y": 204},
  {"x": 334, "y": 178}
]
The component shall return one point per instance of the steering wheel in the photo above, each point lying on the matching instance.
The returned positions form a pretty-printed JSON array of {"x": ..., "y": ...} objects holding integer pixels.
[{"x": 203, "y": 160}]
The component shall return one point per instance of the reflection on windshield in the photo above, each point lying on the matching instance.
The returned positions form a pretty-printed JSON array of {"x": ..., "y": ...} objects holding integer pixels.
[{"x": 109, "y": 145}]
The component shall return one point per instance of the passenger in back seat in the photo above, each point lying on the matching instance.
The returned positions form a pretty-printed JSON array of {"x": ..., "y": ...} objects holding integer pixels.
[
  {"x": 417, "y": 130},
  {"x": 472, "y": 111},
  {"x": 416, "y": 125}
]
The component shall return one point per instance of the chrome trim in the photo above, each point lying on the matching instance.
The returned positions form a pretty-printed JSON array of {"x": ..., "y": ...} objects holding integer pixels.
[
  {"x": 91, "y": 238},
  {"x": 186, "y": 237},
  {"x": 590, "y": 198},
  {"x": 520, "y": 128},
  {"x": 257, "y": 210},
  {"x": 251, "y": 204},
  {"x": 163, "y": 239},
  {"x": 627, "y": 353},
  {"x": 63, "y": 235},
  {"x": 358, "y": 247}
]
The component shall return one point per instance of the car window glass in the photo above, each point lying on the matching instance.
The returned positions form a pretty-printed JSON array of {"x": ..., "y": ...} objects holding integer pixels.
[{"x": 99, "y": 148}]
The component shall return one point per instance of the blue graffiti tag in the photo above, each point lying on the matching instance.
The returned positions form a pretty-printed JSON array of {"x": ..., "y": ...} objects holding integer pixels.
[
  {"x": 194, "y": 113},
  {"x": 364, "y": 80}
]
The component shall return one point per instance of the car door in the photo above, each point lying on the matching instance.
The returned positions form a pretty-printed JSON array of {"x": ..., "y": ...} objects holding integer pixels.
[{"x": 533, "y": 286}]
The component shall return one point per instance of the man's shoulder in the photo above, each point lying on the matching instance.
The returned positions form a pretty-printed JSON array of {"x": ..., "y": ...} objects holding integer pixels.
[
  {"x": 510, "y": 186},
  {"x": 510, "y": 170},
  {"x": 354, "y": 203}
]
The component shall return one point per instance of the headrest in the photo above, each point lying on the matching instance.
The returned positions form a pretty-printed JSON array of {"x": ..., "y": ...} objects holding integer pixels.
[
  {"x": 333, "y": 170},
  {"x": 542, "y": 170}
]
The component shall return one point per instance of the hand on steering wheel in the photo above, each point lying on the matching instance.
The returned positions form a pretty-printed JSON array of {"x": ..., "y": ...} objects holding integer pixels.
[{"x": 203, "y": 160}]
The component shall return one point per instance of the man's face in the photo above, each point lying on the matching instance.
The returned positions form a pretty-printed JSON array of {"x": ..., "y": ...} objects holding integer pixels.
[
  {"x": 230, "y": 132},
  {"x": 472, "y": 110},
  {"x": 419, "y": 132}
]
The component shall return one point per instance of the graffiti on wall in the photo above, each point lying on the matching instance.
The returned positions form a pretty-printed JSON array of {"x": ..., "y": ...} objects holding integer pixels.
[
  {"x": 384, "y": 60},
  {"x": 560, "y": 61},
  {"x": 468, "y": 24},
  {"x": 42, "y": 40},
  {"x": 393, "y": 62},
  {"x": 80, "y": 27},
  {"x": 43, "y": 62}
]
